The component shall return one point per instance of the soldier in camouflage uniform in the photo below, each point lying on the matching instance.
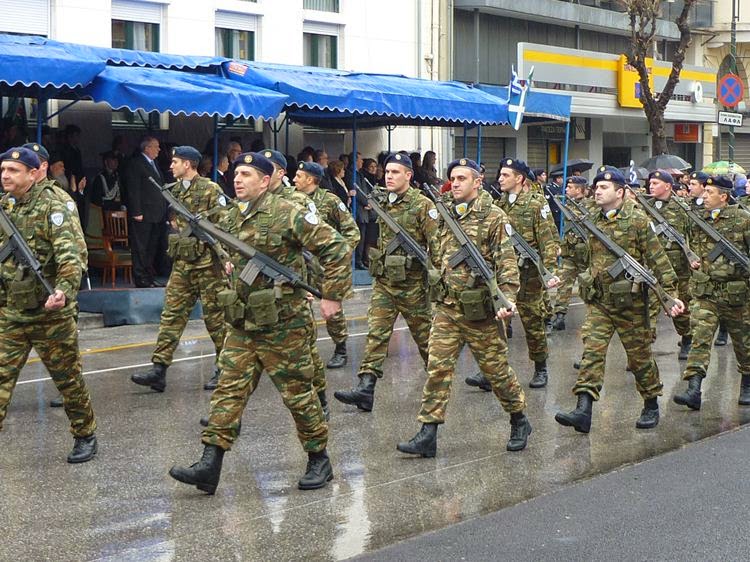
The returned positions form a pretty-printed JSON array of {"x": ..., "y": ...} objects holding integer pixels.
[
  {"x": 464, "y": 315},
  {"x": 270, "y": 324},
  {"x": 573, "y": 254},
  {"x": 196, "y": 271},
  {"x": 29, "y": 316},
  {"x": 720, "y": 292},
  {"x": 333, "y": 211},
  {"x": 531, "y": 217},
  {"x": 399, "y": 281},
  {"x": 617, "y": 305}
]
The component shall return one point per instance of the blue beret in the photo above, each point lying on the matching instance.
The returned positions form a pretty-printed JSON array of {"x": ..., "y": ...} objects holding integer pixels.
[
  {"x": 41, "y": 152},
  {"x": 702, "y": 177},
  {"x": 399, "y": 158},
  {"x": 255, "y": 160},
  {"x": 464, "y": 163},
  {"x": 722, "y": 182},
  {"x": 187, "y": 153},
  {"x": 276, "y": 157},
  {"x": 25, "y": 156},
  {"x": 312, "y": 168},
  {"x": 517, "y": 165},
  {"x": 578, "y": 180},
  {"x": 666, "y": 177},
  {"x": 609, "y": 173}
]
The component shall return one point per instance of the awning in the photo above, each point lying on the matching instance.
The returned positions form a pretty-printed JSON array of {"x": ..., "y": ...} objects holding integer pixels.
[
  {"x": 332, "y": 98},
  {"x": 156, "y": 89},
  {"x": 540, "y": 106}
]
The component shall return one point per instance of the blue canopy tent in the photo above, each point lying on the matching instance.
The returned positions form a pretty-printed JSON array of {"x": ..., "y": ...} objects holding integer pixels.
[{"x": 539, "y": 106}]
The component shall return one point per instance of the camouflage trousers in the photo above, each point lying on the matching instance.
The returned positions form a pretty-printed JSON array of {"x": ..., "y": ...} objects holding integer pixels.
[
  {"x": 336, "y": 327},
  {"x": 602, "y": 321},
  {"x": 386, "y": 303},
  {"x": 533, "y": 311},
  {"x": 682, "y": 322},
  {"x": 705, "y": 317},
  {"x": 184, "y": 288},
  {"x": 56, "y": 342},
  {"x": 284, "y": 353},
  {"x": 568, "y": 272},
  {"x": 450, "y": 331},
  {"x": 319, "y": 368}
]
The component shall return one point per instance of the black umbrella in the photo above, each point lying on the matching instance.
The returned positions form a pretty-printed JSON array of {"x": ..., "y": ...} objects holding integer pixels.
[
  {"x": 577, "y": 165},
  {"x": 664, "y": 161}
]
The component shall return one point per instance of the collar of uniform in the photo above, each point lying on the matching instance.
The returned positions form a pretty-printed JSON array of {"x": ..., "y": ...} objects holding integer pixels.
[
  {"x": 30, "y": 196},
  {"x": 406, "y": 197},
  {"x": 260, "y": 205}
]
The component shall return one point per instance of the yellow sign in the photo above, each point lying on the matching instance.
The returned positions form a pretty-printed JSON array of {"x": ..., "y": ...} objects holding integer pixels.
[{"x": 628, "y": 82}]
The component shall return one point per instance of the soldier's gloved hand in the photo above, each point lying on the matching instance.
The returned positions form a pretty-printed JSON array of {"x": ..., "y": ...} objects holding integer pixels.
[
  {"x": 695, "y": 265},
  {"x": 554, "y": 282},
  {"x": 677, "y": 309},
  {"x": 228, "y": 268},
  {"x": 505, "y": 313},
  {"x": 328, "y": 308},
  {"x": 55, "y": 301},
  {"x": 433, "y": 277}
]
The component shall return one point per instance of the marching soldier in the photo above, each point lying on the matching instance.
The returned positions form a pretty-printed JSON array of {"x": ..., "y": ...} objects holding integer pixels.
[
  {"x": 720, "y": 292},
  {"x": 399, "y": 286},
  {"x": 29, "y": 316},
  {"x": 196, "y": 272},
  {"x": 269, "y": 324},
  {"x": 617, "y": 305},
  {"x": 696, "y": 187},
  {"x": 463, "y": 314}
]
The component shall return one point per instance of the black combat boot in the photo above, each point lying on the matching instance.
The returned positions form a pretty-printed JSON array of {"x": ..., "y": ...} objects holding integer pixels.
[
  {"x": 721, "y": 338},
  {"x": 559, "y": 322},
  {"x": 520, "y": 429},
  {"x": 213, "y": 382},
  {"x": 56, "y": 402},
  {"x": 339, "y": 357},
  {"x": 580, "y": 418},
  {"x": 362, "y": 396},
  {"x": 692, "y": 395},
  {"x": 685, "y": 344},
  {"x": 649, "y": 415},
  {"x": 744, "y": 391},
  {"x": 539, "y": 380},
  {"x": 423, "y": 443},
  {"x": 318, "y": 472},
  {"x": 577, "y": 364},
  {"x": 479, "y": 380},
  {"x": 156, "y": 378},
  {"x": 548, "y": 325},
  {"x": 324, "y": 404},
  {"x": 204, "y": 474},
  {"x": 84, "y": 449}
]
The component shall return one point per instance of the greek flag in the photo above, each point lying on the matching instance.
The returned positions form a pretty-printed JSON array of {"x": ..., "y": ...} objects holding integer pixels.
[
  {"x": 515, "y": 84},
  {"x": 632, "y": 175},
  {"x": 517, "y": 97}
]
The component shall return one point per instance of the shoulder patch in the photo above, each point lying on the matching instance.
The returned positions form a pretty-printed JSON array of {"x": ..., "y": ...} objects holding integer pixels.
[
  {"x": 433, "y": 214},
  {"x": 312, "y": 218},
  {"x": 342, "y": 207},
  {"x": 508, "y": 229},
  {"x": 222, "y": 201},
  {"x": 545, "y": 211},
  {"x": 312, "y": 207},
  {"x": 71, "y": 206},
  {"x": 57, "y": 218}
]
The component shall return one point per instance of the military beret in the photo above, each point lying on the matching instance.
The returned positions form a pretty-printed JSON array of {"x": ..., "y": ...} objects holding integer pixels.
[
  {"x": 722, "y": 182},
  {"x": 186, "y": 153},
  {"x": 666, "y": 177},
  {"x": 312, "y": 168},
  {"x": 517, "y": 165},
  {"x": 255, "y": 160},
  {"x": 556, "y": 174},
  {"x": 609, "y": 173},
  {"x": 464, "y": 163},
  {"x": 578, "y": 180},
  {"x": 25, "y": 156},
  {"x": 700, "y": 176},
  {"x": 276, "y": 157},
  {"x": 399, "y": 158},
  {"x": 41, "y": 152}
]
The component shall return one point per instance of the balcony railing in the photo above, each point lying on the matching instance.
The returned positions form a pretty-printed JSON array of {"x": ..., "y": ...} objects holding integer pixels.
[{"x": 321, "y": 5}]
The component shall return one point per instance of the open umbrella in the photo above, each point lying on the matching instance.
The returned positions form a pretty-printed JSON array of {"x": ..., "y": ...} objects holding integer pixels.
[
  {"x": 722, "y": 167},
  {"x": 577, "y": 165},
  {"x": 665, "y": 161}
]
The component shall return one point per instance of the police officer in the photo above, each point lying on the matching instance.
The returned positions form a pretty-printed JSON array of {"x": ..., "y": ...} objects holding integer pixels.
[
  {"x": 196, "y": 271},
  {"x": 270, "y": 323},
  {"x": 463, "y": 314},
  {"x": 616, "y": 305},
  {"x": 29, "y": 316},
  {"x": 720, "y": 292}
]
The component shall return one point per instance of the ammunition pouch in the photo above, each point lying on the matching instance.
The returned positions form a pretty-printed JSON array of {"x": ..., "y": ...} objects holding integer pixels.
[
  {"x": 736, "y": 293},
  {"x": 621, "y": 294},
  {"x": 676, "y": 258},
  {"x": 375, "y": 267},
  {"x": 26, "y": 293},
  {"x": 185, "y": 248},
  {"x": 261, "y": 309},
  {"x": 475, "y": 304},
  {"x": 580, "y": 252},
  {"x": 701, "y": 285},
  {"x": 395, "y": 268},
  {"x": 234, "y": 310},
  {"x": 587, "y": 287}
]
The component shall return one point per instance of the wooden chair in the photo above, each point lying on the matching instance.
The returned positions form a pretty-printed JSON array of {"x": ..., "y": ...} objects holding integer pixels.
[
  {"x": 116, "y": 227},
  {"x": 102, "y": 254}
]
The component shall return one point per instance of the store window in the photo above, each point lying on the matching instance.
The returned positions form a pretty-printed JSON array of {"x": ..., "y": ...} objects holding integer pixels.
[
  {"x": 320, "y": 50},
  {"x": 235, "y": 44}
]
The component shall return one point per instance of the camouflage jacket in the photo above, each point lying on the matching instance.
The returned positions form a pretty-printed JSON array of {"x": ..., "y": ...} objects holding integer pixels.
[
  {"x": 696, "y": 204},
  {"x": 675, "y": 216},
  {"x": 65, "y": 198},
  {"x": 484, "y": 224},
  {"x": 571, "y": 245},
  {"x": 333, "y": 211},
  {"x": 281, "y": 230},
  {"x": 199, "y": 196},
  {"x": 46, "y": 224},
  {"x": 289, "y": 193},
  {"x": 734, "y": 224},
  {"x": 531, "y": 217}
]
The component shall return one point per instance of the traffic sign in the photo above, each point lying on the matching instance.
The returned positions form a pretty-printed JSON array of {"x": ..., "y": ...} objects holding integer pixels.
[
  {"x": 731, "y": 119},
  {"x": 731, "y": 90}
]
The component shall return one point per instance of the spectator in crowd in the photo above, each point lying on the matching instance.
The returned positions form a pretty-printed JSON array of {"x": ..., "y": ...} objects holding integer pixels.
[
  {"x": 345, "y": 159},
  {"x": 541, "y": 175},
  {"x": 120, "y": 149},
  {"x": 339, "y": 188},
  {"x": 225, "y": 182},
  {"x": 321, "y": 157},
  {"x": 234, "y": 149},
  {"x": 105, "y": 190},
  {"x": 205, "y": 166},
  {"x": 307, "y": 154},
  {"x": 426, "y": 173},
  {"x": 370, "y": 170},
  {"x": 71, "y": 151}
]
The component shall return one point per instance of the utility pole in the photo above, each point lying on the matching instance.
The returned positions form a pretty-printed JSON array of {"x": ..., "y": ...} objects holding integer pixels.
[{"x": 733, "y": 69}]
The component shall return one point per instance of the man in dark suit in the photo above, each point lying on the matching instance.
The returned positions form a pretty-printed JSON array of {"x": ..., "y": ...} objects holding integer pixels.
[{"x": 147, "y": 211}]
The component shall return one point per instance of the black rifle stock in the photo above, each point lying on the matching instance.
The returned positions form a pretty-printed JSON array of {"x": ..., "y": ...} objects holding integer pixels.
[
  {"x": 570, "y": 220},
  {"x": 469, "y": 253},
  {"x": 17, "y": 247},
  {"x": 205, "y": 230},
  {"x": 525, "y": 251}
]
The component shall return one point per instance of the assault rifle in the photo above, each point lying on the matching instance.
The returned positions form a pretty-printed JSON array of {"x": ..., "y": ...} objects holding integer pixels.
[
  {"x": 571, "y": 222},
  {"x": 625, "y": 263},
  {"x": 723, "y": 247},
  {"x": 661, "y": 226},
  {"x": 208, "y": 232},
  {"x": 525, "y": 251},
  {"x": 469, "y": 253},
  {"x": 16, "y": 245}
]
